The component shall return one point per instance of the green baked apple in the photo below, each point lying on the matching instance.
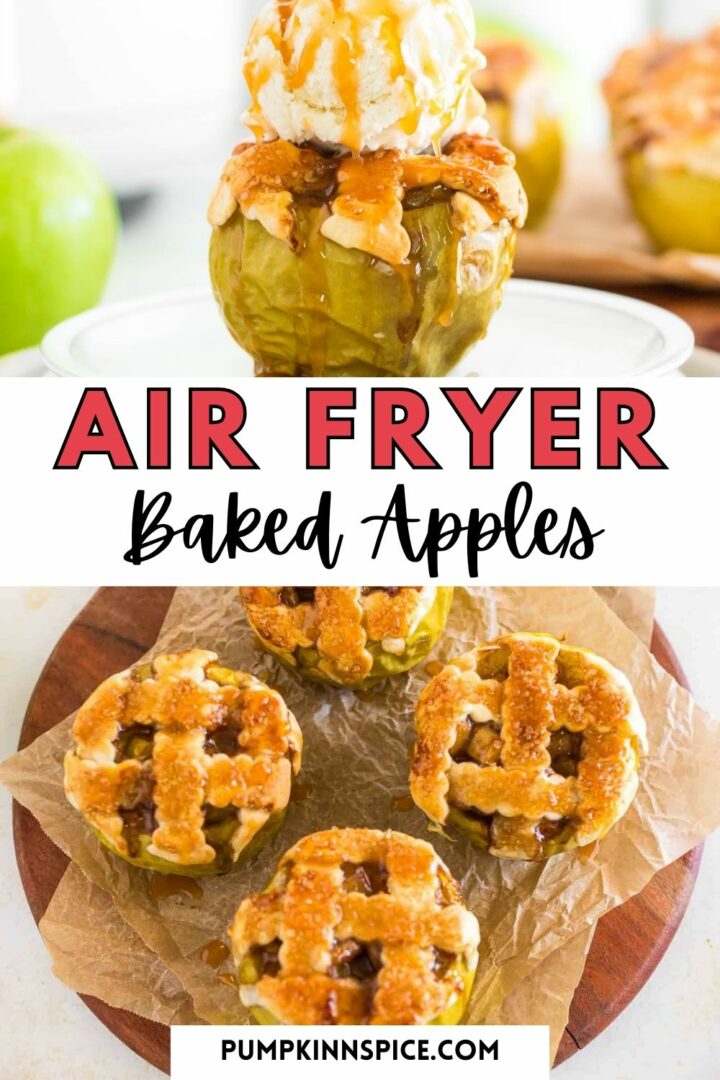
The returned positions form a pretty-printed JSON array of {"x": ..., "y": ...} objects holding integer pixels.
[
  {"x": 182, "y": 766},
  {"x": 249, "y": 973},
  {"x": 539, "y": 161},
  {"x": 417, "y": 646},
  {"x": 324, "y": 309},
  {"x": 356, "y": 962},
  {"x": 678, "y": 209},
  {"x": 219, "y": 829}
]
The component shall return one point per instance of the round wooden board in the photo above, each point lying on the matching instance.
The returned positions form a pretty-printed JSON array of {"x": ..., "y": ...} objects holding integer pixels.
[{"x": 119, "y": 625}]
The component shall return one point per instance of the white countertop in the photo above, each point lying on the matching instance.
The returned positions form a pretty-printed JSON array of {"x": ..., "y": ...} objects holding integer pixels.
[{"x": 671, "y": 1029}]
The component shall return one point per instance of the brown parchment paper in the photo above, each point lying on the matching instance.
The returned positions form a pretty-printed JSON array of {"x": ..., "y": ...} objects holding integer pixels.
[
  {"x": 354, "y": 773},
  {"x": 593, "y": 238},
  {"x": 81, "y": 922},
  {"x": 635, "y": 607},
  {"x": 96, "y": 952}
]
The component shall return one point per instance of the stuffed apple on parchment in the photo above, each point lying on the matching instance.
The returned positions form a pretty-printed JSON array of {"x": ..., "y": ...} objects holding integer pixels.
[
  {"x": 664, "y": 101},
  {"x": 351, "y": 636},
  {"x": 183, "y": 766}
]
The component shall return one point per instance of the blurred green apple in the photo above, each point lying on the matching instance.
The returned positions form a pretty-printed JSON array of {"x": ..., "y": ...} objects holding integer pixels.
[{"x": 58, "y": 231}]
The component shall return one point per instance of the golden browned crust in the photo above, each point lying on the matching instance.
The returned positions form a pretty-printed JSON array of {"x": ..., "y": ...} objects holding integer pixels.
[
  {"x": 363, "y": 194},
  {"x": 493, "y": 726},
  {"x": 664, "y": 97},
  {"x": 178, "y": 703},
  {"x": 262, "y": 180},
  {"x": 338, "y": 622},
  {"x": 509, "y": 63},
  {"x": 411, "y": 912},
  {"x": 367, "y": 210}
]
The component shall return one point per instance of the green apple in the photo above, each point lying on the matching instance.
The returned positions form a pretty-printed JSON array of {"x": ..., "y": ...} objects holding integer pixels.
[
  {"x": 679, "y": 210},
  {"x": 58, "y": 231}
]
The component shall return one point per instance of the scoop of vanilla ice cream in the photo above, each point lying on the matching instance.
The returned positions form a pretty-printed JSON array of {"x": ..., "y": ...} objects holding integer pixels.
[{"x": 365, "y": 74}]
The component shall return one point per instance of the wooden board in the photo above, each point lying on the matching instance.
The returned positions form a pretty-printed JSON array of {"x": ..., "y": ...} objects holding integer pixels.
[{"x": 115, "y": 628}]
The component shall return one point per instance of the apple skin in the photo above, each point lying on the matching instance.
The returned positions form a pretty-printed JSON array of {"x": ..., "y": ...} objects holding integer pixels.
[
  {"x": 679, "y": 210},
  {"x": 58, "y": 233}
]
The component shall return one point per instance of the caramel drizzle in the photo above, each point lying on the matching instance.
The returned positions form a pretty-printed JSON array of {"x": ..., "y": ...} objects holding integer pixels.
[
  {"x": 366, "y": 192},
  {"x": 345, "y": 65},
  {"x": 165, "y": 886},
  {"x": 369, "y": 202},
  {"x": 306, "y": 62},
  {"x": 347, "y": 54},
  {"x": 391, "y": 33},
  {"x": 285, "y": 10},
  {"x": 296, "y": 72},
  {"x": 345, "y": 70}
]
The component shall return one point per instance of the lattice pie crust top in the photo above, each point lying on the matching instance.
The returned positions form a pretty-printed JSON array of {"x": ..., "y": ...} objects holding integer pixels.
[
  {"x": 364, "y": 194},
  {"x": 341, "y": 624},
  {"x": 163, "y": 750},
  {"x": 665, "y": 102},
  {"x": 529, "y": 745},
  {"x": 358, "y": 926}
]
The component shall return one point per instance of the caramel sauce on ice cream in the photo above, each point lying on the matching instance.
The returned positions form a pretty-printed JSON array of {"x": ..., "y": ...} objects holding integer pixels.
[{"x": 364, "y": 74}]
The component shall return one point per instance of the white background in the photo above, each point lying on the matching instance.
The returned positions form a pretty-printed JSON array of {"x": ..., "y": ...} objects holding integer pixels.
[
  {"x": 670, "y": 1030},
  {"x": 75, "y": 529},
  {"x": 145, "y": 88}
]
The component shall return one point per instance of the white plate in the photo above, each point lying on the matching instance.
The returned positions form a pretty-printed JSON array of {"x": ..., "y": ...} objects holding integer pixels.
[
  {"x": 542, "y": 330},
  {"x": 703, "y": 364},
  {"x": 25, "y": 364}
]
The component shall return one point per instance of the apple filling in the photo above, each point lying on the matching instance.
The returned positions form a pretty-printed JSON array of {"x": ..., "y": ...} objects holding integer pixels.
[
  {"x": 351, "y": 958},
  {"x": 135, "y": 743},
  {"x": 181, "y": 765},
  {"x": 482, "y": 744}
]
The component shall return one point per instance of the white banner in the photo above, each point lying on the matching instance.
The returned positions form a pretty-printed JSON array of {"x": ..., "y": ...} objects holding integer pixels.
[
  {"x": 274, "y": 1053},
  {"x": 265, "y": 481}
]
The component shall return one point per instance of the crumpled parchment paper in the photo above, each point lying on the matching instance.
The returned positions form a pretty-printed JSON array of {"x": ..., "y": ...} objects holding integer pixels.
[
  {"x": 635, "y": 607},
  {"x": 537, "y": 919}
]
